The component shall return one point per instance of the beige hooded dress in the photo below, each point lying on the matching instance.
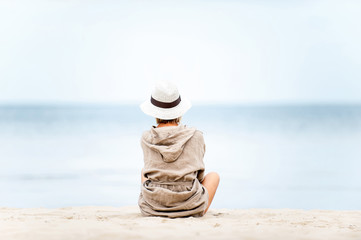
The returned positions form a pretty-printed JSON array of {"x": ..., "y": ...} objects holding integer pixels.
[{"x": 174, "y": 168}]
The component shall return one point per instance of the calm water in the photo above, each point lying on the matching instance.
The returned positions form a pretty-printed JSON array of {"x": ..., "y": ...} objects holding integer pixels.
[{"x": 268, "y": 157}]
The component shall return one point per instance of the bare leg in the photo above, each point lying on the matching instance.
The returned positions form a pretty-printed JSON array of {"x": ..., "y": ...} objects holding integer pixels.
[
  {"x": 210, "y": 182},
  {"x": 143, "y": 179}
]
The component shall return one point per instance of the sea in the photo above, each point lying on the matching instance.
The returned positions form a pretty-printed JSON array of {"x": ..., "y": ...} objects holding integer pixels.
[{"x": 268, "y": 156}]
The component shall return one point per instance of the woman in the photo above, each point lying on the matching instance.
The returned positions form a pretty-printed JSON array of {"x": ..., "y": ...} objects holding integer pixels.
[{"x": 173, "y": 181}]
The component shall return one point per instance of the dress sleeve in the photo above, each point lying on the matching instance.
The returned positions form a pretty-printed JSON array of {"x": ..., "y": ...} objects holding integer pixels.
[{"x": 202, "y": 147}]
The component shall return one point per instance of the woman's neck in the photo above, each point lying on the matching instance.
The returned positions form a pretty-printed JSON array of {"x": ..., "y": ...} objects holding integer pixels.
[{"x": 166, "y": 125}]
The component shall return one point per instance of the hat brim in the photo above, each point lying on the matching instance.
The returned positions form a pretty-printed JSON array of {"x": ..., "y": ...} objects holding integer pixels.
[{"x": 166, "y": 113}]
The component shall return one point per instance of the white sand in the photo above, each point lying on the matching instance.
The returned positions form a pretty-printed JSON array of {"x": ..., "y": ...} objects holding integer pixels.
[{"x": 127, "y": 223}]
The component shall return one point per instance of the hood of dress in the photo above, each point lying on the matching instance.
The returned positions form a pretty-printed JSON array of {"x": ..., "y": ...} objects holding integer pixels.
[{"x": 168, "y": 141}]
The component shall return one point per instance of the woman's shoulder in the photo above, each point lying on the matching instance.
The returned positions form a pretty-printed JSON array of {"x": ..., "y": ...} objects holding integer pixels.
[
  {"x": 145, "y": 134},
  {"x": 196, "y": 130},
  {"x": 198, "y": 134},
  {"x": 148, "y": 132}
]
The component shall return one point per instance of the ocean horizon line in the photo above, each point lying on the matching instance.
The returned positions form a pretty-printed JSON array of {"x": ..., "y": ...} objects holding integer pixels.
[{"x": 195, "y": 104}]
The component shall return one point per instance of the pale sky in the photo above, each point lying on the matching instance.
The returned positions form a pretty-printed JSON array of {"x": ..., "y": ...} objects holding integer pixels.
[{"x": 216, "y": 51}]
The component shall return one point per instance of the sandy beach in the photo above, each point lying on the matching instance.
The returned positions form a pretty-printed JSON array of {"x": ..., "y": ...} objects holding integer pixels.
[{"x": 127, "y": 223}]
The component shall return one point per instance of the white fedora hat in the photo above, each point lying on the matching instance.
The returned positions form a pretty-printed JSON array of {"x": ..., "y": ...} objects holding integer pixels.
[{"x": 165, "y": 102}]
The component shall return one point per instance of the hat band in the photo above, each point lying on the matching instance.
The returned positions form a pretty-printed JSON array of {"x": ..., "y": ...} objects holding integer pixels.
[{"x": 164, "y": 104}]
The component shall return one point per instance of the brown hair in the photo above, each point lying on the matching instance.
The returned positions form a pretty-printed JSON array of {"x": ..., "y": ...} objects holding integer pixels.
[{"x": 175, "y": 120}]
